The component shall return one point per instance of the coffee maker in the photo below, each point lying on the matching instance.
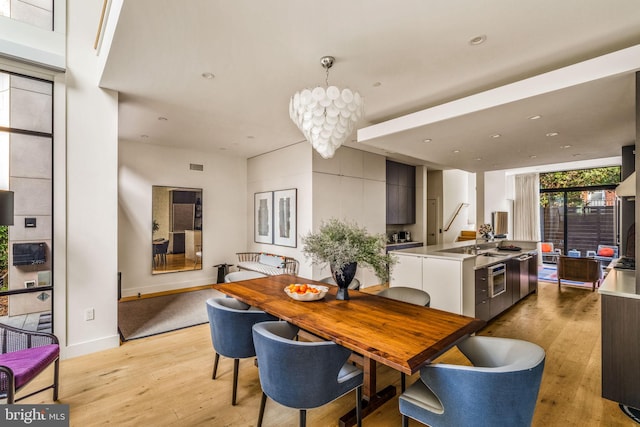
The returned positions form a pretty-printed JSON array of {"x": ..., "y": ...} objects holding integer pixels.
[{"x": 404, "y": 236}]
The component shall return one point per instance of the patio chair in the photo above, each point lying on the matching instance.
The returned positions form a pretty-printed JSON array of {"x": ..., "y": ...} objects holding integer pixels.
[
  {"x": 23, "y": 356},
  {"x": 548, "y": 253},
  {"x": 605, "y": 253},
  {"x": 580, "y": 270}
]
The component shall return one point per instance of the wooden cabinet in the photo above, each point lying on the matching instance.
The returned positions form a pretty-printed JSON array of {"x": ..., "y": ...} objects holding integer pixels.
[
  {"x": 483, "y": 302},
  {"x": 401, "y": 193},
  {"x": 621, "y": 349}
]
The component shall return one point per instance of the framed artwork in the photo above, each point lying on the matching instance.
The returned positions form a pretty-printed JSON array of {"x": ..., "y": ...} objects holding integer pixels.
[
  {"x": 263, "y": 217},
  {"x": 285, "y": 217}
]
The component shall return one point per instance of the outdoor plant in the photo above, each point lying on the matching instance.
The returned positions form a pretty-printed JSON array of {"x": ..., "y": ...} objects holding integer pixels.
[{"x": 339, "y": 243}]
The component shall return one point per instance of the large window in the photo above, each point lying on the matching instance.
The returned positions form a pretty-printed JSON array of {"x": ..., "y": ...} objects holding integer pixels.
[
  {"x": 578, "y": 209},
  {"x": 26, "y": 143},
  {"x": 34, "y": 12}
]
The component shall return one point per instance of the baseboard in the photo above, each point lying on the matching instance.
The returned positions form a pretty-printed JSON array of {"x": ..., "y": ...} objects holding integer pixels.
[
  {"x": 162, "y": 293},
  {"x": 132, "y": 293},
  {"x": 88, "y": 347}
]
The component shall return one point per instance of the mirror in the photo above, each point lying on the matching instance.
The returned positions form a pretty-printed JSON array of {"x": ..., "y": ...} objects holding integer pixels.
[
  {"x": 500, "y": 223},
  {"x": 177, "y": 229}
]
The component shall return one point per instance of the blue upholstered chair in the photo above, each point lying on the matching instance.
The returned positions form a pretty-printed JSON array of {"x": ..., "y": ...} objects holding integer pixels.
[
  {"x": 302, "y": 375},
  {"x": 230, "y": 321},
  {"x": 500, "y": 389},
  {"x": 411, "y": 296}
]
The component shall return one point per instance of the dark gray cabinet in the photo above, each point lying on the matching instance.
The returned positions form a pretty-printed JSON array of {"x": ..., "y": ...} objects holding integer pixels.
[
  {"x": 483, "y": 302},
  {"x": 533, "y": 273},
  {"x": 522, "y": 276},
  {"x": 401, "y": 193},
  {"x": 521, "y": 280},
  {"x": 518, "y": 278}
]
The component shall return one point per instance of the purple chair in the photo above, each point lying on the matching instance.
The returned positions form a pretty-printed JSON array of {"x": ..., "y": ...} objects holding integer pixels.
[{"x": 23, "y": 356}]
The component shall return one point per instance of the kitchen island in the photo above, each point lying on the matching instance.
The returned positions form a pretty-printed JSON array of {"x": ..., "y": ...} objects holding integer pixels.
[{"x": 475, "y": 278}]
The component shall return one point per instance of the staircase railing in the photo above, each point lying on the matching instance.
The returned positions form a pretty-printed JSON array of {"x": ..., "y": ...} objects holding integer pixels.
[{"x": 460, "y": 206}]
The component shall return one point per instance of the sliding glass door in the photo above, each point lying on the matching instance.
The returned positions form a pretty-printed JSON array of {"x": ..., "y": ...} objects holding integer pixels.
[
  {"x": 579, "y": 220},
  {"x": 590, "y": 220}
]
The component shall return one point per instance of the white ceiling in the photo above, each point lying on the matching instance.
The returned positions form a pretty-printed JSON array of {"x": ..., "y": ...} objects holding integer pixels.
[{"x": 403, "y": 56}]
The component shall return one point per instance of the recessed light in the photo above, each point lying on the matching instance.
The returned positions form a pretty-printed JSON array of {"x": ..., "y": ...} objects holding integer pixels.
[
  {"x": 478, "y": 40},
  {"x": 478, "y": 158},
  {"x": 427, "y": 140},
  {"x": 208, "y": 75},
  {"x": 533, "y": 156},
  {"x": 552, "y": 134},
  {"x": 577, "y": 155},
  {"x": 565, "y": 146},
  {"x": 536, "y": 117},
  {"x": 250, "y": 137},
  {"x": 144, "y": 136},
  {"x": 496, "y": 135},
  {"x": 377, "y": 84},
  {"x": 162, "y": 119},
  {"x": 456, "y": 151}
]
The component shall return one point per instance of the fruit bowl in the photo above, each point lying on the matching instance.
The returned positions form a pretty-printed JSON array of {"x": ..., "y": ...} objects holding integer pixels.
[{"x": 306, "y": 292}]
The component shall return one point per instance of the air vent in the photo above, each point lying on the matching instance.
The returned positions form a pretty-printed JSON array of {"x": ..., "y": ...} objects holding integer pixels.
[{"x": 196, "y": 167}]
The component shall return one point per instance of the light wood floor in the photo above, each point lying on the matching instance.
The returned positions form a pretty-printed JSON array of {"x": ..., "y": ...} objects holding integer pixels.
[{"x": 166, "y": 379}]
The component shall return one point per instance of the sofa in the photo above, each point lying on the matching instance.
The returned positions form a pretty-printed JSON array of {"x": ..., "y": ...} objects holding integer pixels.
[{"x": 266, "y": 263}]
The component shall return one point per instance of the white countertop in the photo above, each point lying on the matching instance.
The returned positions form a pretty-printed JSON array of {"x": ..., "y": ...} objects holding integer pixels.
[
  {"x": 620, "y": 283},
  {"x": 441, "y": 251}
]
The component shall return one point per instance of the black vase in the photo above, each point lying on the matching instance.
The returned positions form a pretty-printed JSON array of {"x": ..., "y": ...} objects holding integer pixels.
[{"x": 343, "y": 280}]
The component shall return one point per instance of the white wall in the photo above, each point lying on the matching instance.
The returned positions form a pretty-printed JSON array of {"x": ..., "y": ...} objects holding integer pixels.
[
  {"x": 91, "y": 199},
  {"x": 500, "y": 196},
  {"x": 455, "y": 190},
  {"x": 283, "y": 169},
  {"x": 350, "y": 186},
  {"x": 223, "y": 183}
]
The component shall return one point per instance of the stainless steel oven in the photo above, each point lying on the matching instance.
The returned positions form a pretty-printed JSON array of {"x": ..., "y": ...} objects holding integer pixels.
[{"x": 497, "y": 280}]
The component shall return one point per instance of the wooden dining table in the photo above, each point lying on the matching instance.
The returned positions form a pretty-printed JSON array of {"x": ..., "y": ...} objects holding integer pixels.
[{"x": 402, "y": 336}]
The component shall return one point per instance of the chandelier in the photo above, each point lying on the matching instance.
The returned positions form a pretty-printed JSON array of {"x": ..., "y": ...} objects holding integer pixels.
[{"x": 326, "y": 117}]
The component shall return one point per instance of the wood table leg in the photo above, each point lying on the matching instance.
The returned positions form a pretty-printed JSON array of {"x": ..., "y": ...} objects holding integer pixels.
[{"x": 372, "y": 399}]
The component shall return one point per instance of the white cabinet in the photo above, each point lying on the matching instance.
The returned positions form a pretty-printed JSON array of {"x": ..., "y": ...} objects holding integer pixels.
[
  {"x": 442, "y": 279},
  {"x": 445, "y": 280},
  {"x": 407, "y": 271}
]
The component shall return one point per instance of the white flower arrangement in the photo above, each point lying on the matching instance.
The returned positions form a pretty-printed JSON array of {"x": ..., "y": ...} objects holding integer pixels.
[{"x": 485, "y": 229}]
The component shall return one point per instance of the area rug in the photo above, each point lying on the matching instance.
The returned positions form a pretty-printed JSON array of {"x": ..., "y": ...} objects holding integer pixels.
[{"x": 151, "y": 316}]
